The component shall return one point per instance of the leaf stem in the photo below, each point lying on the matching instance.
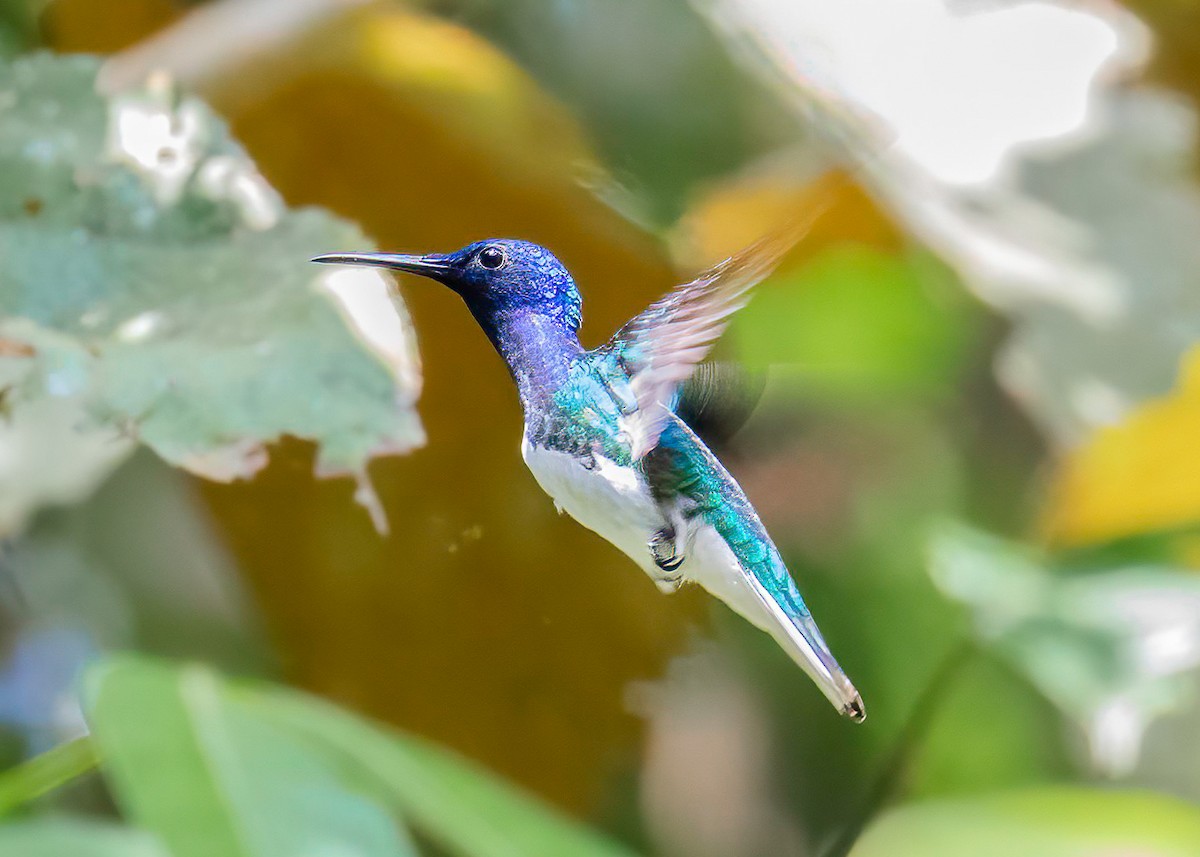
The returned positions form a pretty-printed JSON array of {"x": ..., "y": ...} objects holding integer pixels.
[
  {"x": 911, "y": 736},
  {"x": 46, "y": 772}
]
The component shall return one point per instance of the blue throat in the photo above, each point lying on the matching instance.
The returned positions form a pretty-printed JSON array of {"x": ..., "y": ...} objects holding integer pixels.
[{"x": 538, "y": 348}]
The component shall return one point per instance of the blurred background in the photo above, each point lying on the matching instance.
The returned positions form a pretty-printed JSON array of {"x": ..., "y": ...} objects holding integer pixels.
[{"x": 975, "y": 442}]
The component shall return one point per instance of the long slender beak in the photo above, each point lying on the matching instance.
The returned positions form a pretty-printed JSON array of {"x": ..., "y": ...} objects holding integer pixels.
[{"x": 433, "y": 266}]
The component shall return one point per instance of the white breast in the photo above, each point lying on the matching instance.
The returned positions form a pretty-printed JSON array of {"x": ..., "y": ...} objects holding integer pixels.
[
  {"x": 609, "y": 499},
  {"x": 615, "y": 503}
]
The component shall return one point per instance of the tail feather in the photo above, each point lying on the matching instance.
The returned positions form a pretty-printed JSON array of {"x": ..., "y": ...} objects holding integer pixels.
[{"x": 800, "y": 637}]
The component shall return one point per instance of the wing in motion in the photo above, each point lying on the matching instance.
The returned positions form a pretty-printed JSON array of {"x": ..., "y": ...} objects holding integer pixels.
[
  {"x": 718, "y": 399},
  {"x": 660, "y": 347}
]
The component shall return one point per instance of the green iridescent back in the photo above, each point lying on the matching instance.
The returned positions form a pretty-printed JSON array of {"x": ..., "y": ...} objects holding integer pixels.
[{"x": 582, "y": 417}]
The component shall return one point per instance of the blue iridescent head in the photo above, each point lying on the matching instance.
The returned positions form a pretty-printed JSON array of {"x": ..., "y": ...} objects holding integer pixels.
[{"x": 494, "y": 277}]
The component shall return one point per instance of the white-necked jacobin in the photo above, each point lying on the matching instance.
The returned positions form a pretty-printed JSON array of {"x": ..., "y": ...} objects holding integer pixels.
[{"x": 603, "y": 437}]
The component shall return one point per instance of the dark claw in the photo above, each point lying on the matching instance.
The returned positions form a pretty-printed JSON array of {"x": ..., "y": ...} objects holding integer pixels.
[
  {"x": 663, "y": 549},
  {"x": 668, "y": 564}
]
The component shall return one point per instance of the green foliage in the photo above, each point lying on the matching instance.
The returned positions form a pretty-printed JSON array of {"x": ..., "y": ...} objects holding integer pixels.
[
  {"x": 1048, "y": 822},
  {"x": 45, "y": 772},
  {"x": 214, "y": 779},
  {"x": 456, "y": 803},
  {"x": 856, "y": 320},
  {"x": 661, "y": 133},
  {"x": 19, "y": 25},
  {"x": 215, "y": 770},
  {"x": 1112, "y": 648},
  {"x": 70, "y": 837},
  {"x": 152, "y": 278}
]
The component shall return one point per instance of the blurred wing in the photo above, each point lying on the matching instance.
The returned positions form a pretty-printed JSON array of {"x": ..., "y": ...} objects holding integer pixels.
[
  {"x": 660, "y": 347},
  {"x": 717, "y": 400}
]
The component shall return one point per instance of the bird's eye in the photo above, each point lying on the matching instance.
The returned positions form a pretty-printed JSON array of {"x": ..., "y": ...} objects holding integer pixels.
[{"x": 492, "y": 258}]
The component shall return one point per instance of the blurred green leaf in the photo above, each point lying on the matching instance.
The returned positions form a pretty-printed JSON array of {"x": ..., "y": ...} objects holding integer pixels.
[
  {"x": 1048, "y": 822},
  {"x": 956, "y": 757},
  {"x": 1111, "y": 648},
  {"x": 1126, "y": 250},
  {"x": 152, "y": 275},
  {"x": 45, "y": 772},
  {"x": 213, "y": 778},
  {"x": 258, "y": 772},
  {"x": 19, "y": 25},
  {"x": 465, "y": 809},
  {"x": 69, "y": 837},
  {"x": 181, "y": 593},
  {"x": 855, "y": 320}
]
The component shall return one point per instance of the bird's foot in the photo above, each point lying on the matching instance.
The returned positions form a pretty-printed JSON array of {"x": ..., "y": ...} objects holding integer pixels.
[{"x": 665, "y": 551}]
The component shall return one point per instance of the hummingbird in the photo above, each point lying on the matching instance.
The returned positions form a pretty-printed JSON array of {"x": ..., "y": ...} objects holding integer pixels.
[{"x": 603, "y": 435}]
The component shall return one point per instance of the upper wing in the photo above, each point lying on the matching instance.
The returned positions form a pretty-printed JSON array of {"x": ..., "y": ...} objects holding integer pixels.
[{"x": 661, "y": 346}]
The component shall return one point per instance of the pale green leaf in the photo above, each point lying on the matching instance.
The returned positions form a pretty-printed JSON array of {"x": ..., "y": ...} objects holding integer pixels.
[
  {"x": 70, "y": 837},
  {"x": 1045, "y": 822},
  {"x": 48, "y": 459},
  {"x": 213, "y": 778},
  {"x": 154, "y": 278},
  {"x": 220, "y": 770},
  {"x": 1113, "y": 649},
  {"x": 465, "y": 809}
]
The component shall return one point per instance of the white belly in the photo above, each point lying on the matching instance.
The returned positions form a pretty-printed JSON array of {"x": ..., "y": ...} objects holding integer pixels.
[
  {"x": 610, "y": 500},
  {"x": 615, "y": 503}
]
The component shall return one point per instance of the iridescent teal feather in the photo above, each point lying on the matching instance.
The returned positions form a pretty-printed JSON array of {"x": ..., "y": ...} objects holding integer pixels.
[{"x": 681, "y": 468}]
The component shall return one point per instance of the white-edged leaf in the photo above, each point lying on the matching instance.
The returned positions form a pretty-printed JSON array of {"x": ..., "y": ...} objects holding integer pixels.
[
  {"x": 999, "y": 135},
  {"x": 154, "y": 281},
  {"x": 1113, "y": 649}
]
